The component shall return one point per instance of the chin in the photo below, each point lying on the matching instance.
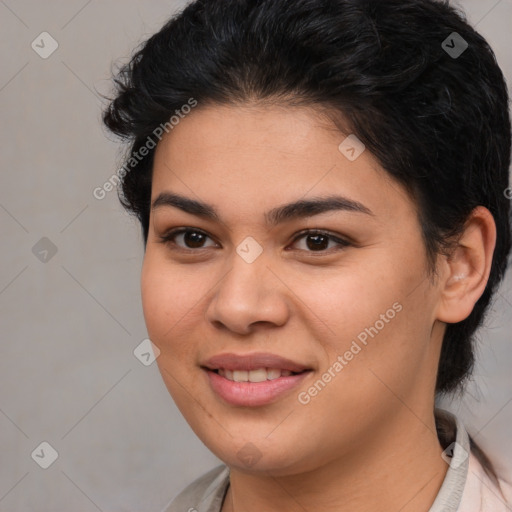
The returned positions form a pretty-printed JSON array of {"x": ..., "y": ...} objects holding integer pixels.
[{"x": 259, "y": 455}]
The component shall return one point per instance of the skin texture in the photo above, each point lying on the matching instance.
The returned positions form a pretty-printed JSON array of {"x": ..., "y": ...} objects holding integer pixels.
[{"x": 367, "y": 440}]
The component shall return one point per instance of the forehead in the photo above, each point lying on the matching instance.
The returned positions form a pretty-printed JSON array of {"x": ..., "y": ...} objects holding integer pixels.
[{"x": 243, "y": 156}]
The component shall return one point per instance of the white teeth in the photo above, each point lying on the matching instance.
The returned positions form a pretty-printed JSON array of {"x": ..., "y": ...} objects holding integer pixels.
[
  {"x": 240, "y": 375},
  {"x": 273, "y": 373},
  {"x": 258, "y": 375}
]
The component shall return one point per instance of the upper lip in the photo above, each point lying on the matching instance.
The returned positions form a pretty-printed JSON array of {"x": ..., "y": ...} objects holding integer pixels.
[{"x": 230, "y": 361}]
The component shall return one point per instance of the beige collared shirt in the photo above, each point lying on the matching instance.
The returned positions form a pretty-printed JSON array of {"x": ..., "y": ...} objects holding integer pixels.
[{"x": 466, "y": 487}]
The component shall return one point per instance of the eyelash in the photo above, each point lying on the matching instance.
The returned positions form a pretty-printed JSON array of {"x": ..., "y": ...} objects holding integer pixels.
[{"x": 168, "y": 239}]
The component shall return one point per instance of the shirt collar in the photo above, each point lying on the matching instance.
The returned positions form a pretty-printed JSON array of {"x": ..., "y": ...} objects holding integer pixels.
[{"x": 456, "y": 454}]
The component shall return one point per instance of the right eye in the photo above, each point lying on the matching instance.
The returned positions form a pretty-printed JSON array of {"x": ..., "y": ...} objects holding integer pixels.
[{"x": 192, "y": 239}]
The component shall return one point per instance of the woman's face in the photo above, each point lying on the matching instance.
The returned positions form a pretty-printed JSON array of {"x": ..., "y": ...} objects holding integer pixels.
[{"x": 350, "y": 311}]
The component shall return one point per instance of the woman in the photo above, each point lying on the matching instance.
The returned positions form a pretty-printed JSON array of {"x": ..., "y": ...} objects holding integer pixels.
[{"x": 322, "y": 190}]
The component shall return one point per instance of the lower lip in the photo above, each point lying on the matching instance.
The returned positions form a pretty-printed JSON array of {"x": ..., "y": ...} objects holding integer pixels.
[{"x": 253, "y": 394}]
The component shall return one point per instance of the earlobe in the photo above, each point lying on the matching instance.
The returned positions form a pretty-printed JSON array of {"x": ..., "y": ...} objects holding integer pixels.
[{"x": 467, "y": 267}]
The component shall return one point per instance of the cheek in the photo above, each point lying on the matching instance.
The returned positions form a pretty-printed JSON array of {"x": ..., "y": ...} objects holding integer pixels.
[
  {"x": 169, "y": 295},
  {"x": 376, "y": 315},
  {"x": 171, "y": 302},
  {"x": 348, "y": 300},
  {"x": 168, "y": 300}
]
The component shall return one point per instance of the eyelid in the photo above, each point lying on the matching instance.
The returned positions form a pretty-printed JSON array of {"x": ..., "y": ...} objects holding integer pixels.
[
  {"x": 168, "y": 236},
  {"x": 338, "y": 239}
]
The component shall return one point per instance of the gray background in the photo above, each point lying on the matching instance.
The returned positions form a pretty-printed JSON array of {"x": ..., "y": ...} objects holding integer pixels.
[{"x": 69, "y": 326}]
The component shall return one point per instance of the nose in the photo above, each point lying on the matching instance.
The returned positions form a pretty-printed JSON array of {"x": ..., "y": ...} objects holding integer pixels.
[{"x": 249, "y": 295}]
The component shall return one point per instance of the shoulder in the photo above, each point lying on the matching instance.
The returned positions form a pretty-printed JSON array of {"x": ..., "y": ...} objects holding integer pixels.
[
  {"x": 481, "y": 494},
  {"x": 204, "y": 494}
]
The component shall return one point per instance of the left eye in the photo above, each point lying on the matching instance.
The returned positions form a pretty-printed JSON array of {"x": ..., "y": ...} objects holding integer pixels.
[{"x": 316, "y": 241}]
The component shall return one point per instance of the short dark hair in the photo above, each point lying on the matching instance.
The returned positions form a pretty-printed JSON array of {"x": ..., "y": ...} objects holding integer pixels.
[{"x": 437, "y": 122}]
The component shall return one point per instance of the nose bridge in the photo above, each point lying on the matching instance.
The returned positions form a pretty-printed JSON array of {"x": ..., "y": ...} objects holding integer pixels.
[
  {"x": 247, "y": 280},
  {"x": 248, "y": 292}
]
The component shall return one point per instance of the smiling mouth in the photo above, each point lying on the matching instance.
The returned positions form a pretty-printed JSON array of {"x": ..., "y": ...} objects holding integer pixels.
[
  {"x": 257, "y": 375},
  {"x": 255, "y": 387}
]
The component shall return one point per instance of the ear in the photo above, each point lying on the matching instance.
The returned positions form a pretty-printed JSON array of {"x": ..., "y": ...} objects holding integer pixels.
[{"x": 466, "y": 270}]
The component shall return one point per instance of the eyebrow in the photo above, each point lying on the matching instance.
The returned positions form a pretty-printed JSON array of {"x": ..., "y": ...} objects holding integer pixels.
[{"x": 299, "y": 209}]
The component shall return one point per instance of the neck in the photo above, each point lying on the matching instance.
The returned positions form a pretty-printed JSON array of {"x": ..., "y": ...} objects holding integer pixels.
[{"x": 398, "y": 468}]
